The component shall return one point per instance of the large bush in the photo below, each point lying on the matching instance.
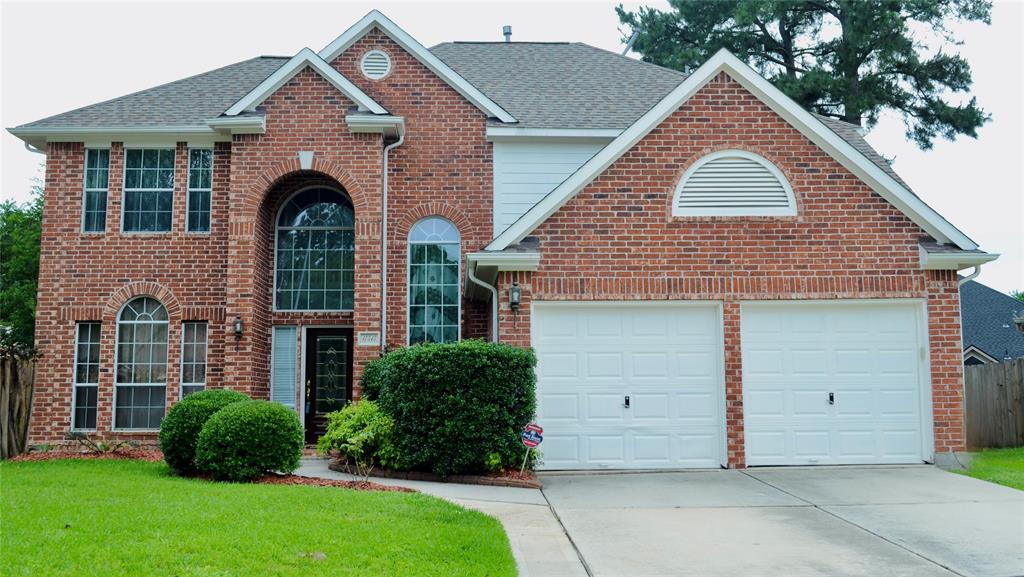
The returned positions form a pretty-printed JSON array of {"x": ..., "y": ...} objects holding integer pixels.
[
  {"x": 179, "y": 431},
  {"x": 363, "y": 435},
  {"x": 246, "y": 440},
  {"x": 457, "y": 405}
]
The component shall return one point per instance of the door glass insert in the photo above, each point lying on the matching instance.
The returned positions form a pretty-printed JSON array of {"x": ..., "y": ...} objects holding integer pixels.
[{"x": 331, "y": 373}]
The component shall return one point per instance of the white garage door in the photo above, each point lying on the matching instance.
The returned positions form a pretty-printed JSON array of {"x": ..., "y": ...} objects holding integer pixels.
[
  {"x": 665, "y": 359},
  {"x": 832, "y": 383}
]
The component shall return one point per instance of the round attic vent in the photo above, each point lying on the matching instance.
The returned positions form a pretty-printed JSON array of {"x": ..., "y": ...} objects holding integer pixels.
[{"x": 375, "y": 65}]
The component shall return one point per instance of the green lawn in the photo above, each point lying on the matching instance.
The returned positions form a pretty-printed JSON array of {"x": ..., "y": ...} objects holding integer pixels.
[
  {"x": 108, "y": 518},
  {"x": 1003, "y": 466}
]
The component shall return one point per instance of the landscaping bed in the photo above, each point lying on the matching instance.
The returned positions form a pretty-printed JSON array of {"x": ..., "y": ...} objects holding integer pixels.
[
  {"x": 119, "y": 517},
  {"x": 524, "y": 480}
]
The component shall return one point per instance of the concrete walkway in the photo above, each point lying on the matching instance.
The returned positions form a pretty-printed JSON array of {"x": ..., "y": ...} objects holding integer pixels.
[
  {"x": 539, "y": 543},
  {"x": 792, "y": 522}
]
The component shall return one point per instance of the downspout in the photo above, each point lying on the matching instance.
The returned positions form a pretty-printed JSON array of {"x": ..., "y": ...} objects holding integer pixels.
[
  {"x": 972, "y": 276},
  {"x": 31, "y": 148},
  {"x": 384, "y": 244},
  {"x": 470, "y": 269}
]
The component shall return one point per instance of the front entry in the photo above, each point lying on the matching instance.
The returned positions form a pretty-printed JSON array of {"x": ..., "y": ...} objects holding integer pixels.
[{"x": 328, "y": 377}]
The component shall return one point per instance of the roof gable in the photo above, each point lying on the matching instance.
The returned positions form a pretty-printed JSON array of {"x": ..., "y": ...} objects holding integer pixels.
[
  {"x": 806, "y": 123},
  {"x": 288, "y": 70},
  {"x": 376, "y": 19},
  {"x": 987, "y": 319}
]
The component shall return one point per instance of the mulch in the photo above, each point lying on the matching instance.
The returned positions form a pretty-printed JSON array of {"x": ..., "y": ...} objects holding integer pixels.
[
  {"x": 507, "y": 478},
  {"x": 317, "y": 482}
]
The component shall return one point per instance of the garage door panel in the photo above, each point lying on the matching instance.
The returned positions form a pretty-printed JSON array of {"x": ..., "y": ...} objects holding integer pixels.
[
  {"x": 866, "y": 354},
  {"x": 663, "y": 357}
]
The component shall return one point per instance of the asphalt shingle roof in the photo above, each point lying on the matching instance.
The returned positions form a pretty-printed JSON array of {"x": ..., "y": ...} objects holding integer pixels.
[
  {"x": 987, "y": 321},
  {"x": 543, "y": 85},
  {"x": 187, "y": 102},
  {"x": 560, "y": 85}
]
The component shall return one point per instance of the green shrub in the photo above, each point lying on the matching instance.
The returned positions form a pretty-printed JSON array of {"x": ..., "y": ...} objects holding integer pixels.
[
  {"x": 363, "y": 435},
  {"x": 457, "y": 404},
  {"x": 179, "y": 431},
  {"x": 246, "y": 440},
  {"x": 374, "y": 374}
]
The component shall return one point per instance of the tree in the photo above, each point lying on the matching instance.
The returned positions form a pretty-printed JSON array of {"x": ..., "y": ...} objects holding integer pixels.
[
  {"x": 1019, "y": 295},
  {"x": 848, "y": 59},
  {"x": 20, "y": 228}
]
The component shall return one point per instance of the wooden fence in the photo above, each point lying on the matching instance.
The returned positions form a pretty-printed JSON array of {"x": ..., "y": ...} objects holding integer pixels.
[
  {"x": 16, "y": 378},
  {"x": 995, "y": 404}
]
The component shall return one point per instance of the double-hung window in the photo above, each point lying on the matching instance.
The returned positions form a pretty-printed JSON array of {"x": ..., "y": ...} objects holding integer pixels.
[
  {"x": 434, "y": 302},
  {"x": 87, "y": 376},
  {"x": 193, "y": 357},
  {"x": 148, "y": 189},
  {"x": 200, "y": 189},
  {"x": 94, "y": 200},
  {"x": 141, "y": 365}
]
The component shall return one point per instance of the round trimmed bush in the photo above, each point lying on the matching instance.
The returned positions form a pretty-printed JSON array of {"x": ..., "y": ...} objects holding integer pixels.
[
  {"x": 179, "y": 431},
  {"x": 246, "y": 440}
]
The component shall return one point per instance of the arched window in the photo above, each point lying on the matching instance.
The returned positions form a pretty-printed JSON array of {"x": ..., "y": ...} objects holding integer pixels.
[
  {"x": 434, "y": 257},
  {"x": 733, "y": 183},
  {"x": 315, "y": 268},
  {"x": 141, "y": 380}
]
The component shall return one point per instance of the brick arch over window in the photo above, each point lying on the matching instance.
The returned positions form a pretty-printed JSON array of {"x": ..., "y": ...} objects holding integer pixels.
[
  {"x": 142, "y": 288},
  {"x": 411, "y": 217},
  {"x": 765, "y": 154},
  {"x": 269, "y": 180}
]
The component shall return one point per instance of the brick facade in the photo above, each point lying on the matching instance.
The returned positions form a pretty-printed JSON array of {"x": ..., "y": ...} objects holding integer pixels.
[{"x": 616, "y": 240}]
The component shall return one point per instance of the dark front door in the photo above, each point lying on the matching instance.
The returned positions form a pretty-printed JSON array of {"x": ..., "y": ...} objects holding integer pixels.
[{"x": 328, "y": 377}]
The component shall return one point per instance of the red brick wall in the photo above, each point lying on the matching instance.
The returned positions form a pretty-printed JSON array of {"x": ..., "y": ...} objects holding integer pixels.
[{"x": 617, "y": 240}]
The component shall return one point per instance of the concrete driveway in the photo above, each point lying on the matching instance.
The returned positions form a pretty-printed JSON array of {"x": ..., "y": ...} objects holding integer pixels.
[{"x": 792, "y": 522}]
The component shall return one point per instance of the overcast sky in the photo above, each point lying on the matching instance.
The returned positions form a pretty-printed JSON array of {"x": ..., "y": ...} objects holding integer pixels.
[{"x": 60, "y": 56}]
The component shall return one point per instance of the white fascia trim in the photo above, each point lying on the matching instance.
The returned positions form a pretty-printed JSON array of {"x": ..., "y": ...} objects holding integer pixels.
[
  {"x": 513, "y": 133},
  {"x": 954, "y": 260},
  {"x": 973, "y": 351},
  {"x": 239, "y": 124},
  {"x": 723, "y": 61},
  {"x": 386, "y": 125},
  {"x": 420, "y": 52},
  {"x": 305, "y": 57},
  {"x": 505, "y": 261},
  {"x": 102, "y": 136}
]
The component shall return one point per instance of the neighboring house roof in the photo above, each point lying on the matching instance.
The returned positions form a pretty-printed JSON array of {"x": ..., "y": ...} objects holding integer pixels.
[
  {"x": 187, "y": 102},
  {"x": 808, "y": 124},
  {"x": 987, "y": 321},
  {"x": 561, "y": 84}
]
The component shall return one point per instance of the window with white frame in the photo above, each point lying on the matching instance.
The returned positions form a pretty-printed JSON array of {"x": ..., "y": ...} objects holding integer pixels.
[
  {"x": 94, "y": 200},
  {"x": 733, "y": 183},
  {"x": 141, "y": 374},
  {"x": 193, "y": 357},
  {"x": 434, "y": 301},
  {"x": 200, "y": 189},
  {"x": 148, "y": 189},
  {"x": 87, "y": 376},
  {"x": 315, "y": 260}
]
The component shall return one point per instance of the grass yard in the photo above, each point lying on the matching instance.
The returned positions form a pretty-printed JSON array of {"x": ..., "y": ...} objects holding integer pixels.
[
  {"x": 109, "y": 518},
  {"x": 1003, "y": 466}
]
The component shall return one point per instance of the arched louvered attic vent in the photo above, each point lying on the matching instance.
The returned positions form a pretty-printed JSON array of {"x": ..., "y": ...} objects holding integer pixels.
[
  {"x": 733, "y": 183},
  {"x": 375, "y": 64}
]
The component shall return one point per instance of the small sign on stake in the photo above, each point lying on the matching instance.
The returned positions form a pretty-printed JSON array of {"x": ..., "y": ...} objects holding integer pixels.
[{"x": 532, "y": 436}]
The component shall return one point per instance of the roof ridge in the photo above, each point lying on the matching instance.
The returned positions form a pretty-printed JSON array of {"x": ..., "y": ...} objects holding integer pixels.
[
  {"x": 199, "y": 75},
  {"x": 681, "y": 74}
]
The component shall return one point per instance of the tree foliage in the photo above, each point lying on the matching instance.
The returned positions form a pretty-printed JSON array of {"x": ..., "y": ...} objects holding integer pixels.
[
  {"x": 20, "y": 228},
  {"x": 849, "y": 59}
]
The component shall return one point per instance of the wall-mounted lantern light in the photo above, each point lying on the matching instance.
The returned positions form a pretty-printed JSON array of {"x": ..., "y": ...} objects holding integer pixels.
[
  {"x": 238, "y": 327},
  {"x": 515, "y": 297}
]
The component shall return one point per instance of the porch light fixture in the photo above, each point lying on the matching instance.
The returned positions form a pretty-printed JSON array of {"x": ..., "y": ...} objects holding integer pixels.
[
  {"x": 238, "y": 327},
  {"x": 515, "y": 296}
]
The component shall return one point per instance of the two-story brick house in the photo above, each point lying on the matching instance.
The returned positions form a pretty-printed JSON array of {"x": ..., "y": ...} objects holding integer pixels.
[{"x": 710, "y": 275}]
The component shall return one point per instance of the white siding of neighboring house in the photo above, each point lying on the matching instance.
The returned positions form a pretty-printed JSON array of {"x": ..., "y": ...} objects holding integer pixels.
[{"x": 524, "y": 172}]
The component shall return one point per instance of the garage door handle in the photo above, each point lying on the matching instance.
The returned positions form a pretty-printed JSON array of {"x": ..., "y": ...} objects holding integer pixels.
[
  {"x": 625, "y": 403},
  {"x": 831, "y": 398}
]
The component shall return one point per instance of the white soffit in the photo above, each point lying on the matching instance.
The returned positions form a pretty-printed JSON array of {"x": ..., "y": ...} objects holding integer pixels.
[
  {"x": 305, "y": 57},
  {"x": 723, "y": 61},
  {"x": 420, "y": 52}
]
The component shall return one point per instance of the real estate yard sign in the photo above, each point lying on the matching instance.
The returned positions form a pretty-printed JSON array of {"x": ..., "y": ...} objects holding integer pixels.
[{"x": 532, "y": 436}]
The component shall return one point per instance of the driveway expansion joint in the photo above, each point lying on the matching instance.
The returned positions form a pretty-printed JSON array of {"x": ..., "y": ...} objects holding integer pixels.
[{"x": 575, "y": 547}]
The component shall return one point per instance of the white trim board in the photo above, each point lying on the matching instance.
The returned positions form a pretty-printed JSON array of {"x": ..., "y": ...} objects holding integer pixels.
[
  {"x": 376, "y": 19},
  {"x": 305, "y": 57},
  {"x": 724, "y": 61}
]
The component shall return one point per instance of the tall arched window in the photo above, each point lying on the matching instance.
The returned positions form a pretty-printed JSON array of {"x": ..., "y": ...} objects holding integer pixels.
[
  {"x": 141, "y": 381},
  {"x": 434, "y": 256},
  {"x": 315, "y": 268}
]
